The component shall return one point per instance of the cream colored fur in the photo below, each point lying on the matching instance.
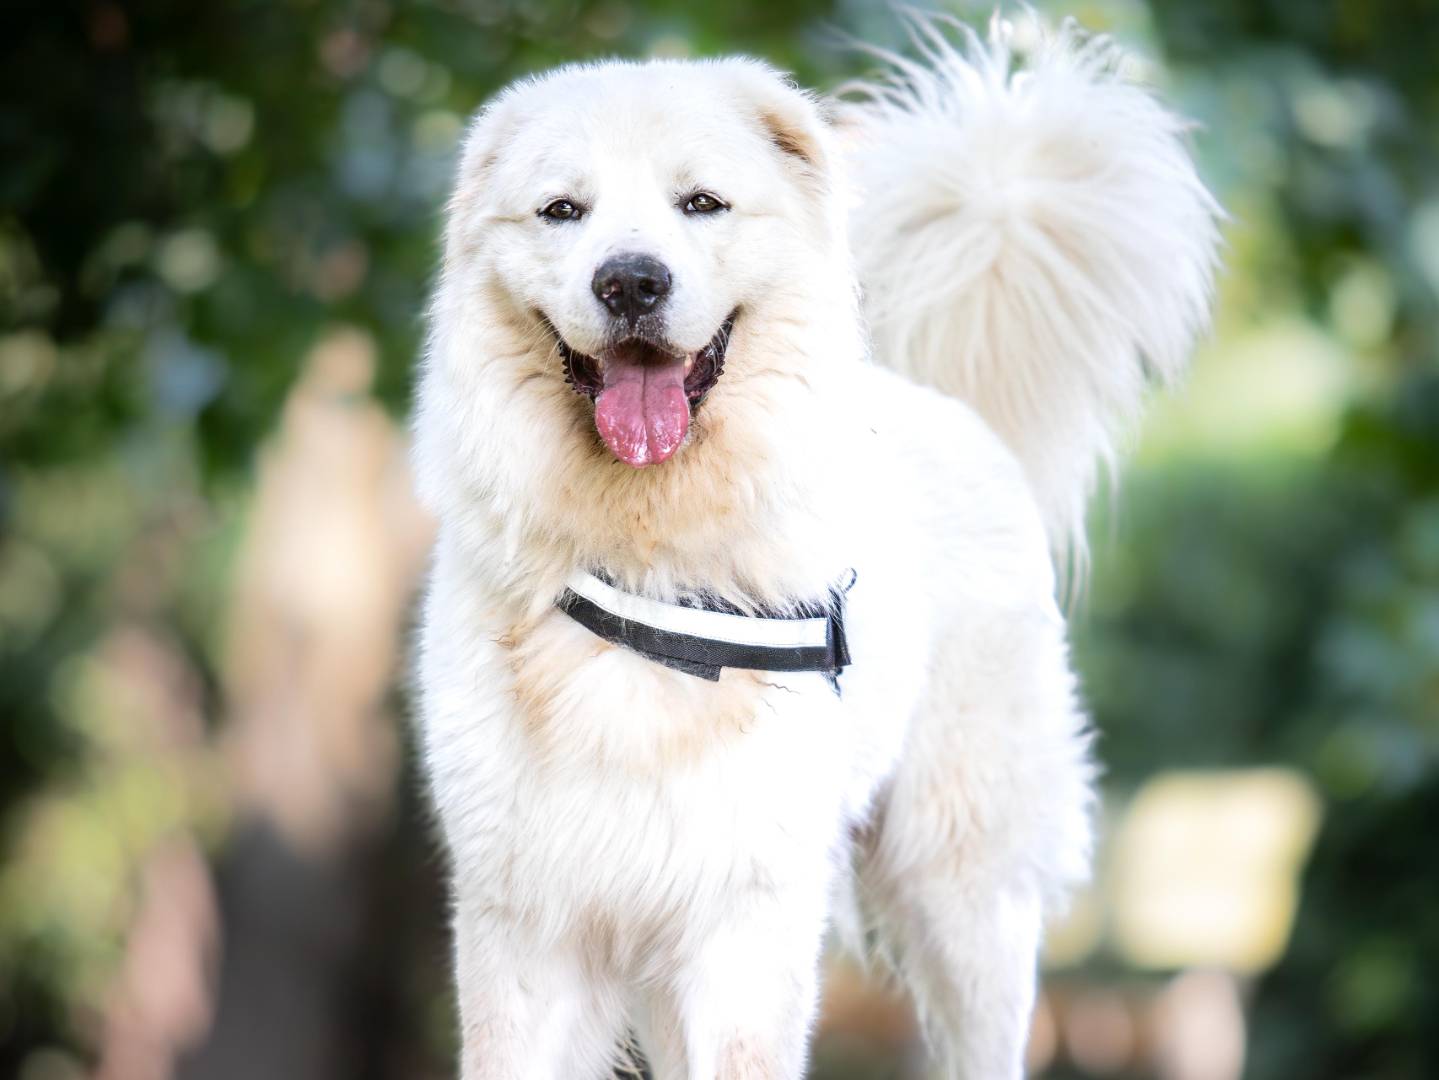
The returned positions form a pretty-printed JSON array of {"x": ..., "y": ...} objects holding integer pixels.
[{"x": 636, "y": 849}]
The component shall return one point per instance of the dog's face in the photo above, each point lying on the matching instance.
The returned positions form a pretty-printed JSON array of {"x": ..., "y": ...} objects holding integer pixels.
[{"x": 638, "y": 229}]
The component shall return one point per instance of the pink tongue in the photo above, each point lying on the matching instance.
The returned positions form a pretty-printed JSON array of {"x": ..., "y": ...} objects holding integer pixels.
[{"x": 643, "y": 413}]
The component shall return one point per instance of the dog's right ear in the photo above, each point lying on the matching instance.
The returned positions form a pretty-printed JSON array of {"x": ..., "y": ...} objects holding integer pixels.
[
  {"x": 479, "y": 150},
  {"x": 483, "y": 138}
]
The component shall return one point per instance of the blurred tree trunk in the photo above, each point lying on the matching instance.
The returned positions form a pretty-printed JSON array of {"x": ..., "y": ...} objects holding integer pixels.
[{"x": 322, "y": 590}]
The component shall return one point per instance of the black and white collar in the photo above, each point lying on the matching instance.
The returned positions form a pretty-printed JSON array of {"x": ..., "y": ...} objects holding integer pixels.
[{"x": 706, "y": 635}]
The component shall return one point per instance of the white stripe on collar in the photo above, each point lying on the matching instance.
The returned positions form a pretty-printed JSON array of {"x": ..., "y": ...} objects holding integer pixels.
[{"x": 695, "y": 622}]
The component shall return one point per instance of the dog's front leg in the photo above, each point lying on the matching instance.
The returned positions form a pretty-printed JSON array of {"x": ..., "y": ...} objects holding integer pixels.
[
  {"x": 529, "y": 1011},
  {"x": 741, "y": 1007}
]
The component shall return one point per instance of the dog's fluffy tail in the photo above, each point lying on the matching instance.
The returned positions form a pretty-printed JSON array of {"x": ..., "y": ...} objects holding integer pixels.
[{"x": 1031, "y": 237}]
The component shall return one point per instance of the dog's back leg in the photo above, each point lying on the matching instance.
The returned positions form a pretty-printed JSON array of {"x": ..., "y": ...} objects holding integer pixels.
[
  {"x": 984, "y": 824},
  {"x": 966, "y": 951}
]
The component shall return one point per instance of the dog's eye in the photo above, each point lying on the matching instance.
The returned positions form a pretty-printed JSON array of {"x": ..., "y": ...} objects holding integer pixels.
[
  {"x": 702, "y": 202},
  {"x": 562, "y": 210}
]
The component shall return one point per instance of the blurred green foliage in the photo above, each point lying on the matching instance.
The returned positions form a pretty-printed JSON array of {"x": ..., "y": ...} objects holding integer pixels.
[
  {"x": 190, "y": 193},
  {"x": 1288, "y": 613}
]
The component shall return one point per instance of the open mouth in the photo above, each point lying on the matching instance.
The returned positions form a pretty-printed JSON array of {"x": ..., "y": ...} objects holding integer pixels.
[{"x": 645, "y": 393}]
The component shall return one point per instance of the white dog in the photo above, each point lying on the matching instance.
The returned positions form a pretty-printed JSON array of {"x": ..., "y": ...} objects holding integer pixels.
[{"x": 734, "y": 633}]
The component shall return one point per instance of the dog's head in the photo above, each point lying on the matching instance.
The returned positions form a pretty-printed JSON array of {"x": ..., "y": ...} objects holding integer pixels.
[
  {"x": 636, "y": 256},
  {"x": 635, "y": 214}
]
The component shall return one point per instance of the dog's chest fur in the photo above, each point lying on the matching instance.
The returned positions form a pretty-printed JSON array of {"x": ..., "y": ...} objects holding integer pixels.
[
  {"x": 622, "y": 806},
  {"x": 611, "y": 803}
]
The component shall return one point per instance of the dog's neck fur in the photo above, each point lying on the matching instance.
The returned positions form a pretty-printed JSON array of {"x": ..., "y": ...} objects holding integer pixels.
[{"x": 740, "y": 511}]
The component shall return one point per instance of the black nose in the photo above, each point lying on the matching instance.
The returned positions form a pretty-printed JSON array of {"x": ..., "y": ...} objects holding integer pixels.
[{"x": 631, "y": 285}]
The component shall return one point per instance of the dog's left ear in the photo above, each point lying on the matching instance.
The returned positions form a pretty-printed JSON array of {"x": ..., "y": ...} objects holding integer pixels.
[{"x": 790, "y": 117}]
